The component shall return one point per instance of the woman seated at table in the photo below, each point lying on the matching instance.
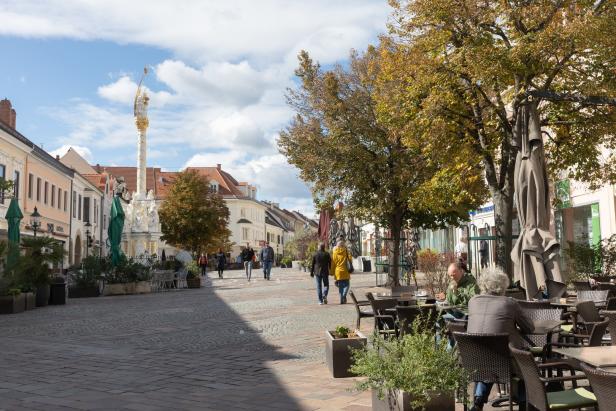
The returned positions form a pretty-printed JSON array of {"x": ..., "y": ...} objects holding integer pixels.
[{"x": 493, "y": 313}]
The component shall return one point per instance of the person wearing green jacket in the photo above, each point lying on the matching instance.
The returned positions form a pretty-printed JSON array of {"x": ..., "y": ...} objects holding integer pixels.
[{"x": 462, "y": 287}]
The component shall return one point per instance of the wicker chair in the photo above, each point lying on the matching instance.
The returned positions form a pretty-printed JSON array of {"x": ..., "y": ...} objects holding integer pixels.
[
  {"x": 540, "y": 343},
  {"x": 535, "y": 305},
  {"x": 582, "y": 286},
  {"x": 408, "y": 314},
  {"x": 603, "y": 384},
  {"x": 358, "y": 306},
  {"x": 593, "y": 339},
  {"x": 486, "y": 357},
  {"x": 597, "y": 296},
  {"x": 587, "y": 316},
  {"x": 611, "y": 304},
  {"x": 536, "y": 395},
  {"x": 384, "y": 316},
  {"x": 611, "y": 317},
  {"x": 516, "y": 293},
  {"x": 556, "y": 289}
]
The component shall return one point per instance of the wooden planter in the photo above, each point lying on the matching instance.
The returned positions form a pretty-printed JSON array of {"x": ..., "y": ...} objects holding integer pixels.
[
  {"x": 193, "y": 282},
  {"x": 338, "y": 354},
  {"x": 30, "y": 301},
  {"x": 77, "y": 292},
  {"x": 143, "y": 287},
  {"x": 401, "y": 401},
  {"x": 42, "y": 295},
  {"x": 13, "y": 304},
  {"x": 114, "y": 289}
]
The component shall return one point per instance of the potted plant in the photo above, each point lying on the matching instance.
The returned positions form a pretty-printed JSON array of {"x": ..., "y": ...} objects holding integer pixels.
[
  {"x": 84, "y": 280},
  {"x": 411, "y": 373},
  {"x": 12, "y": 301},
  {"x": 33, "y": 268},
  {"x": 193, "y": 279},
  {"x": 338, "y": 350}
]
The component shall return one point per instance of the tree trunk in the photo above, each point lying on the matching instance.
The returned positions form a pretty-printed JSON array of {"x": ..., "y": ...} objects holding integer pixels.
[
  {"x": 503, "y": 213},
  {"x": 395, "y": 226}
]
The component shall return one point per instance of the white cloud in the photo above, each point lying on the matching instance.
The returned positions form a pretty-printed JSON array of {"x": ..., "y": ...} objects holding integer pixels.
[
  {"x": 84, "y": 152},
  {"x": 124, "y": 89}
]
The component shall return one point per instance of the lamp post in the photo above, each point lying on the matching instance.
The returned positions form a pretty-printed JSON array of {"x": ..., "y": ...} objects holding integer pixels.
[
  {"x": 35, "y": 221},
  {"x": 87, "y": 225}
]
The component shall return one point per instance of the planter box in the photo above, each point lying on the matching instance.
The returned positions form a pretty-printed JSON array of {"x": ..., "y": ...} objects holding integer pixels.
[
  {"x": 143, "y": 287},
  {"x": 42, "y": 296},
  {"x": 13, "y": 304},
  {"x": 76, "y": 292},
  {"x": 57, "y": 294},
  {"x": 130, "y": 288},
  {"x": 30, "y": 301},
  {"x": 193, "y": 282},
  {"x": 401, "y": 401},
  {"x": 338, "y": 355},
  {"x": 114, "y": 289}
]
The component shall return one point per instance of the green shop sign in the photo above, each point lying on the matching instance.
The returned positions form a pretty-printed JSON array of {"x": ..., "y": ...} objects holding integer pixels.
[{"x": 563, "y": 194}]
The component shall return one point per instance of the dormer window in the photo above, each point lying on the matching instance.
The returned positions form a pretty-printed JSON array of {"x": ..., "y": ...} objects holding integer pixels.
[{"x": 214, "y": 186}]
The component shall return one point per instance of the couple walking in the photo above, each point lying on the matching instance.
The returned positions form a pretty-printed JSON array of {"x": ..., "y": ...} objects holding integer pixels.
[
  {"x": 221, "y": 262},
  {"x": 266, "y": 256},
  {"x": 339, "y": 264}
]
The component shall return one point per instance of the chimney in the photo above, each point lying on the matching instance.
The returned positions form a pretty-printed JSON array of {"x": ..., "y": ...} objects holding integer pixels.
[
  {"x": 218, "y": 166},
  {"x": 7, "y": 114},
  {"x": 58, "y": 157}
]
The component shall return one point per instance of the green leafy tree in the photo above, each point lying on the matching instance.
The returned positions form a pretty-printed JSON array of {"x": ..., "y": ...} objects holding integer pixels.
[
  {"x": 192, "y": 217},
  {"x": 483, "y": 65},
  {"x": 355, "y": 142},
  {"x": 34, "y": 267}
]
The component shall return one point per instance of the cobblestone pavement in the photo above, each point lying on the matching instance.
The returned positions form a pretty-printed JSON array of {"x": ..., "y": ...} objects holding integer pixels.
[{"x": 230, "y": 345}]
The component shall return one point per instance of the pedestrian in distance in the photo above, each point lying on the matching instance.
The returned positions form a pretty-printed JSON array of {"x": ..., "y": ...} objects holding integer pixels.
[
  {"x": 267, "y": 259},
  {"x": 248, "y": 256},
  {"x": 341, "y": 268},
  {"x": 221, "y": 262},
  {"x": 319, "y": 269},
  {"x": 484, "y": 252},
  {"x": 203, "y": 264}
]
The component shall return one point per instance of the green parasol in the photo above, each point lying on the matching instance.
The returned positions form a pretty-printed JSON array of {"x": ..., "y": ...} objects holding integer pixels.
[
  {"x": 114, "y": 231},
  {"x": 14, "y": 217}
]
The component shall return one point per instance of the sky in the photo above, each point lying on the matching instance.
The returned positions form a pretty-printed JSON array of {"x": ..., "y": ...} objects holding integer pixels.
[{"x": 219, "y": 70}]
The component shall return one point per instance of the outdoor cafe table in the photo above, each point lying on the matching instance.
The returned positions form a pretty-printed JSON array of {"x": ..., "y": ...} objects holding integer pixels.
[{"x": 603, "y": 356}]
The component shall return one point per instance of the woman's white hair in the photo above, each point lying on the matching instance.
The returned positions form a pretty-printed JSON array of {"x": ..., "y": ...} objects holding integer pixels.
[
  {"x": 341, "y": 243},
  {"x": 493, "y": 281}
]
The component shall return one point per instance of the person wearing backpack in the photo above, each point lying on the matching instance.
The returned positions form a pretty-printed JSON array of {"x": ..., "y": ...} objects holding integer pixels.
[
  {"x": 341, "y": 268},
  {"x": 203, "y": 264},
  {"x": 319, "y": 269}
]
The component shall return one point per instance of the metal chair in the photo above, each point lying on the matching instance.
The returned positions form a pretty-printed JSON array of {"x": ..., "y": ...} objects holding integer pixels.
[
  {"x": 360, "y": 313},
  {"x": 611, "y": 304},
  {"x": 407, "y": 315},
  {"x": 181, "y": 278},
  {"x": 603, "y": 385},
  {"x": 486, "y": 357},
  {"x": 384, "y": 317},
  {"x": 536, "y": 394}
]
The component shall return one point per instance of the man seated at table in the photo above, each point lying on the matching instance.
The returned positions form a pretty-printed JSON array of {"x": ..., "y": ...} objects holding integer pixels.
[
  {"x": 493, "y": 313},
  {"x": 462, "y": 287}
]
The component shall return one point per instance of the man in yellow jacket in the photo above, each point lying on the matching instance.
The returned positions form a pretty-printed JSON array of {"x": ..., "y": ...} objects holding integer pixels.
[{"x": 341, "y": 259}]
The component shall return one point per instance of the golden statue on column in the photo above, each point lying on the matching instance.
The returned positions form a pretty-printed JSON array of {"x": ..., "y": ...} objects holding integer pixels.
[{"x": 140, "y": 109}]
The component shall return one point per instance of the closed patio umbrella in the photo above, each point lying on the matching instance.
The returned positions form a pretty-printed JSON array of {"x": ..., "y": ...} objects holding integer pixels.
[
  {"x": 114, "y": 231},
  {"x": 535, "y": 254},
  {"x": 14, "y": 217}
]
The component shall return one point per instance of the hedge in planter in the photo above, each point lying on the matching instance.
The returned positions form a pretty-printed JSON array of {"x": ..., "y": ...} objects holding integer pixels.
[
  {"x": 410, "y": 373},
  {"x": 129, "y": 277},
  {"x": 12, "y": 301},
  {"x": 84, "y": 279}
]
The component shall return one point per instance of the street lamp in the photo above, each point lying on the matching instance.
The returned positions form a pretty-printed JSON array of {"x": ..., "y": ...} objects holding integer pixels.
[
  {"x": 87, "y": 225},
  {"x": 35, "y": 221}
]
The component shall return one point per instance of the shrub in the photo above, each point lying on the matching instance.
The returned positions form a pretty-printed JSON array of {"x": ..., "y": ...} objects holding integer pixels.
[{"x": 434, "y": 267}]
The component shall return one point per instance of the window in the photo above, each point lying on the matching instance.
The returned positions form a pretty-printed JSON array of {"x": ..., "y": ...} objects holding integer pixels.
[
  {"x": 2, "y": 177},
  {"x": 59, "y": 198},
  {"x": 46, "y": 194},
  {"x": 243, "y": 212},
  {"x": 30, "y": 182},
  {"x": 16, "y": 183},
  {"x": 95, "y": 218},
  {"x": 86, "y": 209},
  {"x": 79, "y": 208},
  {"x": 38, "y": 189},
  {"x": 74, "y": 204},
  {"x": 53, "y": 195},
  {"x": 65, "y": 196},
  {"x": 244, "y": 233}
]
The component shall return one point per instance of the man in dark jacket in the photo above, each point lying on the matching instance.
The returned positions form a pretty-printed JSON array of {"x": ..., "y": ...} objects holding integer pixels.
[
  {"x": 319, "y": 269},
  {"x": 247, "y": 257},
  {"x": 266, "y": 256}
]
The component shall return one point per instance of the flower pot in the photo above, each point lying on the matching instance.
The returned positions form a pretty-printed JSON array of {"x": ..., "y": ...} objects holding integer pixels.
[
  {"x": 143, "y": 287},
  {"x": 129, "y": 288},
  {"x": 57, "y": 294},
  {"x": 42, "y": 295},
  {"x": 338, "y": 355},
  {"x": 13, "y": 304},
  {"x": 193, "y": 282},
  {"x": 30, "y": 301},
  {"x": 83, "y": 292},
  {"x": 401, "y": 401},
  {"x": 114, "y": 289}
]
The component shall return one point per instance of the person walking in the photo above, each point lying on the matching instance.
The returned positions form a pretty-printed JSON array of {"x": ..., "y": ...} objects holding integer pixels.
[
  {"x": 484, "y": 253},
  {"x": 203, "y": 264},
  {"x": 248, "y": 256},
  {"x": 267, "y": 259},
  {"x": 341, "y": 268},
  {"x": 221, "y": 262},
  {"x": 319, "y": 269}
]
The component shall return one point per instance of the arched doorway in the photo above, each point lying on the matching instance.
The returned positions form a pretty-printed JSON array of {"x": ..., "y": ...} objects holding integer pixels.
[{"x": 77, "y": 259}]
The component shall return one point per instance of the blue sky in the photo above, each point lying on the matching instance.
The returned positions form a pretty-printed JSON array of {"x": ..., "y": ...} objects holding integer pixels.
[{"x": 219, "y": 70}]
